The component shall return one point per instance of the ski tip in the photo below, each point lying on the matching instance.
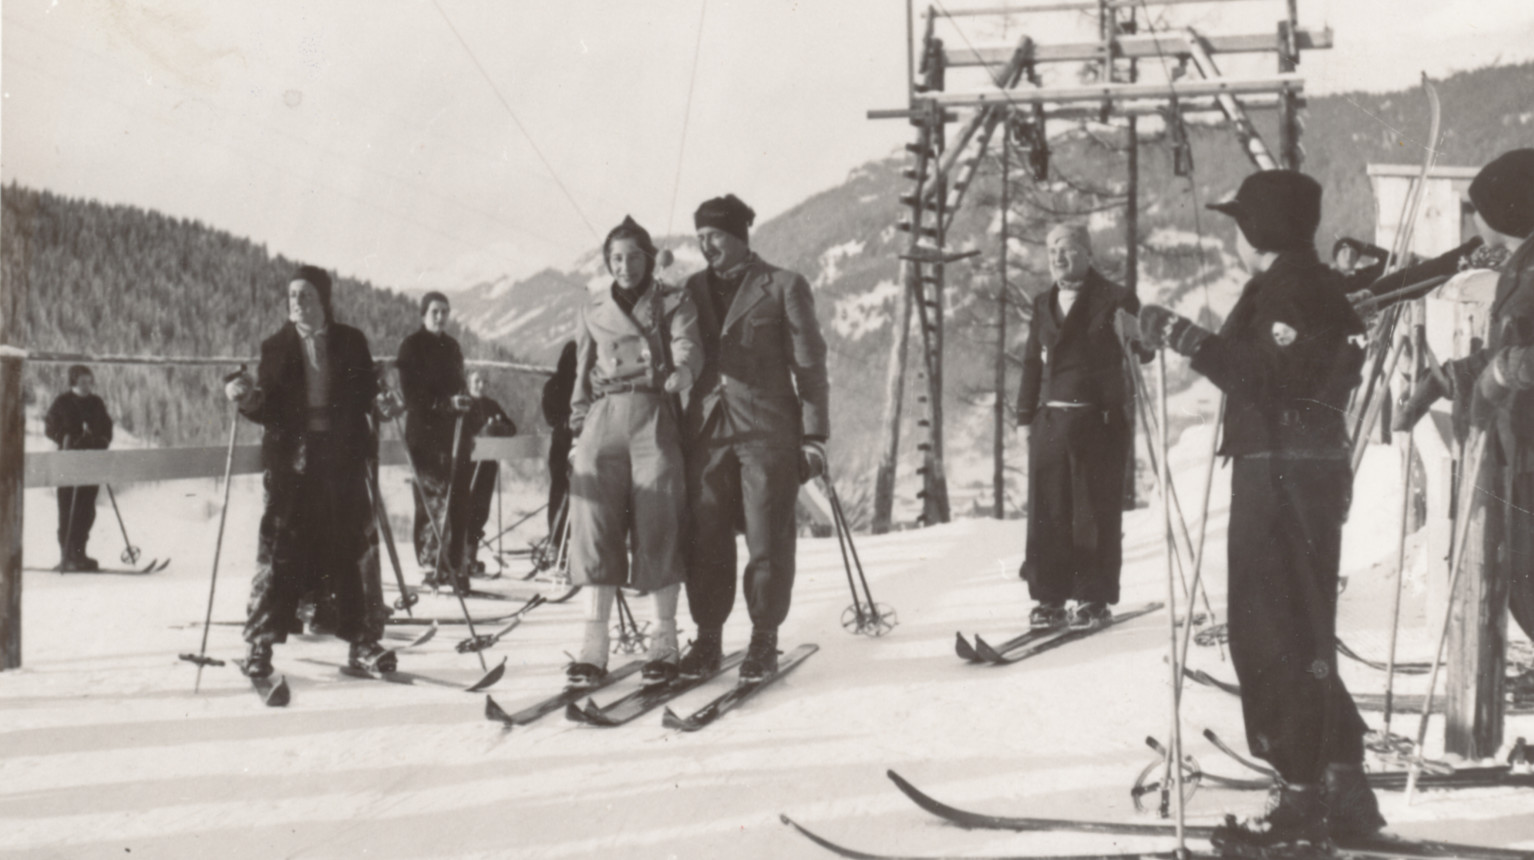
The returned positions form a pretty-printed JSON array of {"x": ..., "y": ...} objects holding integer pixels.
[
  {"x": 986, "y": 652},
  {"x": 963, "y": 649},
  {"x": 280, "y": 694},
  {"x": 575, "y": 714},
  {"x": 669, "y": 719},
  {"x": 491, "y": 678},
  {"x": 496, "y": 714}
]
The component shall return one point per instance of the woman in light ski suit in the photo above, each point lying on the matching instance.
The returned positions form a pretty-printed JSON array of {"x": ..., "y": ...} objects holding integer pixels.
[{"x": 637, "y": 347}]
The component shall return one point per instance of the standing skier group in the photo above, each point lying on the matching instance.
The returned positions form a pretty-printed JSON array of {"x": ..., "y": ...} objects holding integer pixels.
[
  {"x": 694, "y": 412},
  {"x": 1287, "y": 359}
]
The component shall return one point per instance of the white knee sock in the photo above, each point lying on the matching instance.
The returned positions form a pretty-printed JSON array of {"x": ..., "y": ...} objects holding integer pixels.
[
  {"x": 663, "y": 641},
  {"x": 599, "y": 609}
]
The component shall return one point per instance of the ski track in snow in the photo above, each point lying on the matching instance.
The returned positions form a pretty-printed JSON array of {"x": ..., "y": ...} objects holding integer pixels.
[{"x": 104, "y": 750}]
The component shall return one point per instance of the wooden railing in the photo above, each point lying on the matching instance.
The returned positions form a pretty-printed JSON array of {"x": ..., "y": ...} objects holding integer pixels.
[{"x": 127, "y": 466}]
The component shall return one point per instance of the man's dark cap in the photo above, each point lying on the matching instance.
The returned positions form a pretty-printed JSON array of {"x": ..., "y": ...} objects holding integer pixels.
[
  {"x": 1277, "y": 210},
  {"x": 320, "y": 280},
  {"x": 1503, "y": 192},
  {"x": 727, "y": 213},
  {"x": 78, "y": 370}
]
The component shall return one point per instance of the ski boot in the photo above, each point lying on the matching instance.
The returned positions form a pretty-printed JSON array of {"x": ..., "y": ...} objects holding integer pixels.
[
  {"x": 1293, "y": 826},
  {"x": 372, "y": 657},
  {"x": 703, "y": 656},
  {"x": 1047, "y": 615},
  {"x": 1351, "y": 808},
  {"x": 258, "y": 660},
  {"x": 591, "y": 667},
  {"x": 1090, "y": 615},
  {"x": 582, "y": 675},
  {"x": 661, "y": 662},
  {"x": 761, "y": 656}
]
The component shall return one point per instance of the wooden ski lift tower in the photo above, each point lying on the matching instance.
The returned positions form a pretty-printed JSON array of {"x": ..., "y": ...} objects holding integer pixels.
[{"x": 942, "y": 169}]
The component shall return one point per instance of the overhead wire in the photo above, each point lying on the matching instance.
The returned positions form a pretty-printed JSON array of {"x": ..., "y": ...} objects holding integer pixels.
[
  {"x": 692, "y": 80},
  {"x": 494, "y": 88}
]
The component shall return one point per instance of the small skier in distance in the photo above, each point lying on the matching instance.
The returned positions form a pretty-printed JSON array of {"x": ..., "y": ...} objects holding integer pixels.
[{"x": 78, "y": 420}]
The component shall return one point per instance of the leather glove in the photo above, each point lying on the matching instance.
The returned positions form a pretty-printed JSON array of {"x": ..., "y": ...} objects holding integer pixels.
[
  {"x": 238, "y": 386},
  {"x": 390, "y": 406},
  {"x": 812, "y": 460},
  {"x": 680, "y": 380},
  {"x": 1429, "y": 391},
  {"x": 1127, "y": 325},
  {"x": 1161, "y": 328},
  {"x": 1491, "y": 391},
  {"x": 460, "y": 402},
  {"x": 1358, "y": 297}
]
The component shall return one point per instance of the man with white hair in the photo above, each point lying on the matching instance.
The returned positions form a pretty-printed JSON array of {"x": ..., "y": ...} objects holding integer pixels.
[{"x": 1074, "y": 408}]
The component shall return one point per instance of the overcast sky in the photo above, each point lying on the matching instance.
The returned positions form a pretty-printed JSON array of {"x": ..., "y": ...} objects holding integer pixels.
[{"x": 425, "y": 143}]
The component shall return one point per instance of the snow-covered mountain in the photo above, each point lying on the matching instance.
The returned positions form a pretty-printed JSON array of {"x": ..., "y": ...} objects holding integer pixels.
[{"x": 844, "y": 240}]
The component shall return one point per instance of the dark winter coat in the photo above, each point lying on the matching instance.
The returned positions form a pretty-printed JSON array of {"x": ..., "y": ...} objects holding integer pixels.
[
  {"x": 282, "y": 405},
  {"x": 76, "y": 423},
  {"x": 1287, "y": 358},
  {"x": 1078, "y": 358},
  {"x": 430, "y": 374},
  {"x": 764, "y": 363}
]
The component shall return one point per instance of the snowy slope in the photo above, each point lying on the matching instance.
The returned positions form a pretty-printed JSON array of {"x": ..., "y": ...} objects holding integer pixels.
[{"x": 105, "y": 751}]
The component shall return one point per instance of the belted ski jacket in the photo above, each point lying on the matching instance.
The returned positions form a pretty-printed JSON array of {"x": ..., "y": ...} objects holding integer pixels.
[{"x": 1287, "y": 358}]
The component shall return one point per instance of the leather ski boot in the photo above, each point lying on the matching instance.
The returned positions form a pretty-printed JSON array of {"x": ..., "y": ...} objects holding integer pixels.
[
  {"x": 761, "y": 656},
  {"x": 704, "y": 655},
  {"x": 372, "y": 657},
  {"x": 1352, "y": 811},
  {"x": 1295, "y": 822}
]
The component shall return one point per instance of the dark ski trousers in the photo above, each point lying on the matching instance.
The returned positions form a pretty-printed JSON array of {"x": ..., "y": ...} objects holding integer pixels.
[
  {"x": 751, "y": 488},
  {"x": 81, "y": 503},
  {"x": 1076, "y": 465},
  {"x": 1518, "y": 526},
  {"x": 431, "y": 503},
  {"x": 483, "y": 476},
  {"x": 1285, "y": 546},
  {"x": 559, "y": 477},
  {"x": 319, "y": 538}
]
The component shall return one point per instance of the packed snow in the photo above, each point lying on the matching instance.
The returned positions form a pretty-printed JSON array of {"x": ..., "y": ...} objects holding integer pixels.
[{"x": 105, "y": 750}]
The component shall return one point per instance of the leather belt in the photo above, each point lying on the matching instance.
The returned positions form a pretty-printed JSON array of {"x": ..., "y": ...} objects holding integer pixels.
[{"x": 638, "y": 386}]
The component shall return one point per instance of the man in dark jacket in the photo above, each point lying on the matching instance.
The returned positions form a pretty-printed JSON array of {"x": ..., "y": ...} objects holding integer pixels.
[
  {"x": 484, "y": 418},
  {"x": 758, "y": 417},
  {"x": 1076, "y": 401},
  {"x": 431, "y": 380},
  {"x": 1493, "y": 387},
  {"x": 78, "y": 420},
  {"x": 312, "y": 395},
  {"x": 1287, "y": 358},
  {"x": 556, "y": 412}
]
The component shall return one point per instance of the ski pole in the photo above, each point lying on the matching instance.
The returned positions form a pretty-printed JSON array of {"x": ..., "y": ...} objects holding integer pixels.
[
  {"x": 201, "y": 657},
  {"x": 131, "y": 553},
  {"x": 841, "y": 543},
  {"x": 1418, "y": 337},
  {"x": 386, "y": 532},
  {"x": 880, "y": 619},
  {"x": 1175, "y": 756},
  {"x": 443, "y": 533},
  {"x": 437, "y": 529},
  {"x": 511, "y": 528},
  {"x": 499, "y": 520}
]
